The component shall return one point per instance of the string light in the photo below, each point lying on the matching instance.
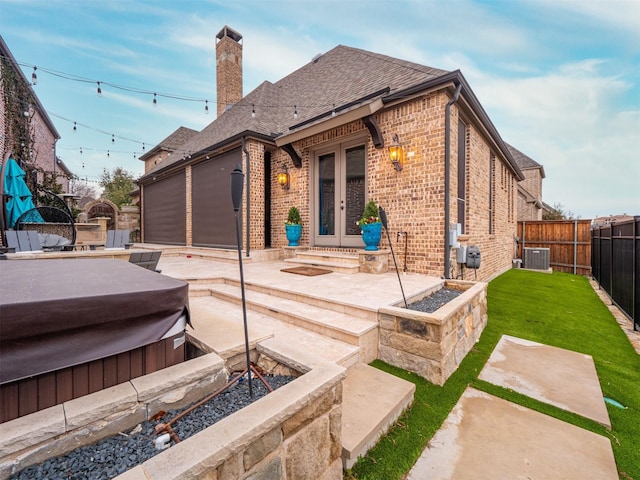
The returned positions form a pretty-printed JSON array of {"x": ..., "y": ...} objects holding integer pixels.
[
  {"x": 333, "y": 112},
  {"x": 206, "y": 107},
  {"x": 77, "y": 78},
  {"x": 155, "y": 102},
  {"x": 295, "y": 111},
  {"x": 113, "y": 138},
  {"x": 253, "y": 110},
  {"x": 143, "y": 147},
  {"x": 108, "y": 155},
  {"x": 34, "y": 77},
  {"x": 75, "y": 128}
]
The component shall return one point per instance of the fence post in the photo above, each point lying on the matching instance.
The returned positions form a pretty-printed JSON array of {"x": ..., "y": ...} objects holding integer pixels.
[{"x": 575, "y": 246}]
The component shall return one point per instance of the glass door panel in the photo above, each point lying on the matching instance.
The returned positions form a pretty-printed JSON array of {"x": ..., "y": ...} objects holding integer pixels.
[
  {"x": 354, "y": 192},
  {"x": 340, "y": 195},
  {"x": 326, "y": 185}
]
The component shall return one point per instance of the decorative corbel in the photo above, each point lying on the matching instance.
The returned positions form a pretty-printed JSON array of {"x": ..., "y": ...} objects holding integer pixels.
[{"x": 295, "y": 158}]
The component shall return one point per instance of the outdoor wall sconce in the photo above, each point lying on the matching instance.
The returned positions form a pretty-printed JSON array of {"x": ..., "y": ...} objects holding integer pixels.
[
  {"x": 396, "y": 153},
  {"x": 283, "y": 177}
]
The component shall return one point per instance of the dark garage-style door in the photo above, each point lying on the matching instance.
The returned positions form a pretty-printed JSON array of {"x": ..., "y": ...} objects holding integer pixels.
[
  {"x": 165, "y": 211},
  {"x": 213, "y": 219}
]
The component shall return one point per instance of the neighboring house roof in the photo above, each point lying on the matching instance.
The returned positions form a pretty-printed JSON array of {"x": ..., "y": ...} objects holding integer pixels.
[
  {"x": 6, "y": 53},
  {"x": 524, "y": 162},
  {"x": 343, "y": 80},
  {"x": 172, "y": 143}
]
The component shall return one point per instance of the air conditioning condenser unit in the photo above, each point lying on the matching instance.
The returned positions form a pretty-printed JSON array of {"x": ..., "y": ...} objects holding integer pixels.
[{"x": 536, "y": 258}]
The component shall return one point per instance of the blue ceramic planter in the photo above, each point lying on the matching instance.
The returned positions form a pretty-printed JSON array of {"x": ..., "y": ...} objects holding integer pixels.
[
  {"x": 371, "y": 234},
  {"x": 293, "y": 234}
]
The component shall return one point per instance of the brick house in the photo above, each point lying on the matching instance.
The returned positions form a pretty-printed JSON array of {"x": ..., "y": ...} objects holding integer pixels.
[
  {"x": 328, "y": 125},
  {"x": 530, "y": 205},
  {"x": 36, "y": 153}
]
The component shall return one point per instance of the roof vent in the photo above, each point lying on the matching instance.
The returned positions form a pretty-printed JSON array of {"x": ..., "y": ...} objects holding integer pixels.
[{"x": 316, "y": 58}]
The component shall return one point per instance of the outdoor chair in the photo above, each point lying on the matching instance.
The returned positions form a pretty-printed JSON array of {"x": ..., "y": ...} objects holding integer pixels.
[
  {"x": 148, "y": 260},
  {"x": 23, "y": 240},
  {"x": 117, "y": 239}
]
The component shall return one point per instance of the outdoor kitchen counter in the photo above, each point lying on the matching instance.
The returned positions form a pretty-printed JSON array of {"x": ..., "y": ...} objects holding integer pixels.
[{"x": 60, "y": 313}]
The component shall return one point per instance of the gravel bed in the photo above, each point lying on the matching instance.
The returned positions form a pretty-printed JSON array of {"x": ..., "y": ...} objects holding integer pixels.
[
  {"x": 112, "y": 456},
  {"x": 434, "y": 301}
]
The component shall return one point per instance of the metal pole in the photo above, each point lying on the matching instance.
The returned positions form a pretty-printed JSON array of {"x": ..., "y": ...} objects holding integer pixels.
[
  {"x": 575, "y": 246},
  {"x": 383, "y": 218},
  {"x": 237, "y": 180}
]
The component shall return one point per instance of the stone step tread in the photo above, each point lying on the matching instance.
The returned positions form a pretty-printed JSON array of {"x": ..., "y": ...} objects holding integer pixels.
[
  {"x": 372, "y": 400},
  {"x": 302, "y": 352},
  {"x": 337, "y": 266},
  {"x": 310, "y": 313},
  {"x": 220, "y": 326},
  {"x": 338, "y": 256}
]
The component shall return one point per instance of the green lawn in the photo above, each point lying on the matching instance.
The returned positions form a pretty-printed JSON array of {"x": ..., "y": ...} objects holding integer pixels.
[{"x": 561, "y": 310}]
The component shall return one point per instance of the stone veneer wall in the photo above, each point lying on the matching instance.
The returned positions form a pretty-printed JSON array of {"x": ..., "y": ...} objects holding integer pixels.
[
  {"x": 293, "y": 433},
  {"x": 433, "y": 345},
  {"x": 59, "y": 429}
]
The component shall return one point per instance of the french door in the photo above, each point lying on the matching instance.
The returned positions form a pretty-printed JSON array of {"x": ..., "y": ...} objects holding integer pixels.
[{"x": 340, "y": 194}]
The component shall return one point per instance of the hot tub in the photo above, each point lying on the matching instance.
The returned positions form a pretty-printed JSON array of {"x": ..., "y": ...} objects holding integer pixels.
[{"x": 69, "y": 327}]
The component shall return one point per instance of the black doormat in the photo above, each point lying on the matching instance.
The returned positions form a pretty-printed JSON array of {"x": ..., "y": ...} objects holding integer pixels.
[{"x": 306, "y": 271}]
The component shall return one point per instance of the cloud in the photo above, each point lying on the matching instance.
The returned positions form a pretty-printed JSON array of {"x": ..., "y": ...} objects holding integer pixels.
[{"x": 570, "y": 120}]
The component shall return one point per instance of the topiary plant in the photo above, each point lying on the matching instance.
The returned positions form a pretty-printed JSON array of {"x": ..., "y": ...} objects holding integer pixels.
[
  {"x": 371, "y": 214},
  {"x": 293, "y": 218}
]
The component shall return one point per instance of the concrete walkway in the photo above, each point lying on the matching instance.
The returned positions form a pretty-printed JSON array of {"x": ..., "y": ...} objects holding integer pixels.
[{"x": 485, "y": 437}]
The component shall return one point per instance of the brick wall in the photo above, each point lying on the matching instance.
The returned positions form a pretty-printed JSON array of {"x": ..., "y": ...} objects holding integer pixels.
[
  {"x": 43, "y": 152},
  {"x": 414, "y": 197}
]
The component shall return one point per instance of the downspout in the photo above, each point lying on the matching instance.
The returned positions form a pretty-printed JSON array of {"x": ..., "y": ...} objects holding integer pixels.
[
  {"x": 447, "y": 181},
  {"x": 248, "y": 214}
]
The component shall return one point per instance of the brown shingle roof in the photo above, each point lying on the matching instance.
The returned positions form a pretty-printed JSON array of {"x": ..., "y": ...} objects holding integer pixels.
[
  {"x": 328, "y": 82},
  {"x": 172, "y": 143},
  {"x": 344, "y": 76},
  {"x": 524, "y": 162}
]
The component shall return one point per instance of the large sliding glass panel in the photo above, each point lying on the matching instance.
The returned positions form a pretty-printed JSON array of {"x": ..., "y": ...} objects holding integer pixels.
[
  {"x": 327, "y": 194},
  {"x": 355, "y": 190}
]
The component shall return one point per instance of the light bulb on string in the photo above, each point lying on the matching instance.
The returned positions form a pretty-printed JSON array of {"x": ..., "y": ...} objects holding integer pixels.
[
  {"x": 108, "y": 154},
  {"x": 113, "y": 138},
  {"x": 34, "y": 77},
  {"x": 99, "y": 90},
  {"x": 75, "y": 128},
  {"x": 206, "y": 106},
  {"x": 253, "y": 111},
  {"x": 295, "y": 111},
  {"x": 155, "y": 101},
  {"x": 333, "y": 112},
  {"x": 143, "y": 147},
  {"x": 81, "y": 154}
]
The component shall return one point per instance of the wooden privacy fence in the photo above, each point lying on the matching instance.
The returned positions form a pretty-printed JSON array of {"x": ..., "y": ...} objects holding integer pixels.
[{"x": 568, "y": 241}]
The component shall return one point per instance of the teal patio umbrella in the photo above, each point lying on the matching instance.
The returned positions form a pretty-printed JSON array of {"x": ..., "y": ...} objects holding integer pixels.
[{"x": 17, "y": 196}]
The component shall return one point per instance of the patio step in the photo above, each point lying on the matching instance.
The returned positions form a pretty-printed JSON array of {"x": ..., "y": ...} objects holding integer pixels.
[
  {"x": 327, "y": 322},
  {"x": 219, "y": 327},
  {"x": 336, "y": 261},
  {"x": 372, "y": 401}
]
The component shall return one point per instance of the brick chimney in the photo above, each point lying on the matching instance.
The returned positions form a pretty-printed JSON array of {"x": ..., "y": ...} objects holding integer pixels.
[{"x": 228, "y": 68}]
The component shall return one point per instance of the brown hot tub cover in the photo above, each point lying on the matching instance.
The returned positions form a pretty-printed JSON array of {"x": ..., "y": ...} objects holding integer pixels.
[{"x": 60, "y": 313}]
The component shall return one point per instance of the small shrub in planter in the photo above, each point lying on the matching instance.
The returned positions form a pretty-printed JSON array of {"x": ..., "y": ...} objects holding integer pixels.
[{"x": 293, "y": 226}]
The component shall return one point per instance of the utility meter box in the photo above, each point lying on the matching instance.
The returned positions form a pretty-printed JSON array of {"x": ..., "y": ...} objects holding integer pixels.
[
  {"x": 461, "y": 254},
  {"x": 473, "y": 257}
]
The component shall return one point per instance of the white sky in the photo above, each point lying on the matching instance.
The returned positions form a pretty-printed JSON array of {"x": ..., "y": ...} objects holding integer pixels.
[{"x": 560, "y": 79}]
